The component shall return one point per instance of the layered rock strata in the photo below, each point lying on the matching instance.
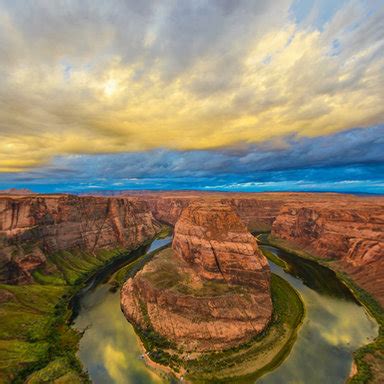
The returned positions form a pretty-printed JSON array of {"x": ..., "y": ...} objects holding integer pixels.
[
  {"x": 350, "y": 236},
  {"x": 32, "y": 227},
  {"x": 210, "y": 291},
  {"x": 257, "y": 210},
  {"x": 343, "y": 227}
]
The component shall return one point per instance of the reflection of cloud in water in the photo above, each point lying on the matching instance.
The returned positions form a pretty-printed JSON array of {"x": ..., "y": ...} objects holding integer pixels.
[
  {"x": 332, "y": 328},
  {"x": 115, "y": 363},
  {"x": 109, "y": 348},
  {"x": 349, "y": 326}
]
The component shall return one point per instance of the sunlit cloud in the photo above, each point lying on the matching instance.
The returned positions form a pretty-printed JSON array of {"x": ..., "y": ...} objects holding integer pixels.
[{"x": 91, "y": 78}]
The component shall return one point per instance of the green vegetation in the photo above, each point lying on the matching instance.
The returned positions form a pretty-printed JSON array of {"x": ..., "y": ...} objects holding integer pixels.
[
  {"x": 37, "y": 344},
  {"x": 245, "y": 362},
  {"x": 129, "y": 270},
  {"x": 75, "y": 265},
  {"x": 369, "y": 359},
  {"x": 34, "y": 332},
  {"x": 274, "y": 258},
  {"x": 59, "y": 370},
  {"x": 165, "y": 231}
]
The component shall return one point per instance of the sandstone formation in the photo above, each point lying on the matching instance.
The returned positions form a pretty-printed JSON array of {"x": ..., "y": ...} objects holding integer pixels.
[
  {"x": 348, "y": 228},
  {"x": 210, "y": 291},
  {"x": 16, "y": 191},
  {"x": 32, "y": 227},
  {"x": 351, "y": 236},
  {"x": 257, "y": 210},
  {"x": 216, "y": 244}
]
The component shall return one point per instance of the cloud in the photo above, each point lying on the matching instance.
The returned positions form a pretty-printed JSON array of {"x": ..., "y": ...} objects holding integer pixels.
[
  {"x": 347, "y": 161},
  {"x": 128, "y": 76}
]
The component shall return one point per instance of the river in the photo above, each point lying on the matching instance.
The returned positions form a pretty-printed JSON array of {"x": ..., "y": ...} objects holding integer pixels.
[{"x": 334, "y": 326}]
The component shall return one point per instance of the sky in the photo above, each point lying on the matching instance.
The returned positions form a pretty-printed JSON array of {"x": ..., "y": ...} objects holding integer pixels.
[{"x": 241, "y": 95}]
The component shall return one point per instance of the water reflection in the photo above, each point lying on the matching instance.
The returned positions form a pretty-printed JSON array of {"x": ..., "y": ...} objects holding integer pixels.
[
  {"x": 109, "y": 348},
  {"x": 334, "y": 326}
]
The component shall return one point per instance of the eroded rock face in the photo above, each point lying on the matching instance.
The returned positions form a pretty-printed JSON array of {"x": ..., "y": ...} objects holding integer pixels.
[
  {"x": 210, "y": 291},
  {"x": 36, "y": 226},
  {"x": 351, "y": 235},
  {"x": 257, "y": 210},
  {"x": 213, "y": 240}
]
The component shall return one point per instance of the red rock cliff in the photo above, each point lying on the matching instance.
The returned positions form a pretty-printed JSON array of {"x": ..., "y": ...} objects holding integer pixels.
[
  {"x": 216, "y": 244},
  {"x": 350, "y": 234},
  {"x": 36, "y": 226},
  {"x": 257, "y": 210},
  {"x": 211, "y": 291}
]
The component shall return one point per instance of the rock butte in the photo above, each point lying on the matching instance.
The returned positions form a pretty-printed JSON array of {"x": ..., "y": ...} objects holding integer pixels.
[{"x": 211, "y": 291}]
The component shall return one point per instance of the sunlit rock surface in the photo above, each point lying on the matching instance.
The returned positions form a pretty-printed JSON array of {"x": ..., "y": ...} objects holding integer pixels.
[
  {"x": 349, "y": 234},
  {"x": 211, "y": 290},
  {"x": 32, "y": 227}
]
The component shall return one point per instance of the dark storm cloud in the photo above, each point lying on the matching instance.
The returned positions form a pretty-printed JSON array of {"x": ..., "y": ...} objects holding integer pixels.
[{"x": 346, "y": 148}]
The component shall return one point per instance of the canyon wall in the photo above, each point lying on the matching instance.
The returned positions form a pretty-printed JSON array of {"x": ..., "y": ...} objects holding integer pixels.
[
  {"x": 257, "y": 213},
  {"x": 257, "y": 210},
  {"x": 348, "y": 234},
  {"x": 211, "y": 291},
  {"x": 32, "y": 227},
  {"x": 343, "y": 227}
]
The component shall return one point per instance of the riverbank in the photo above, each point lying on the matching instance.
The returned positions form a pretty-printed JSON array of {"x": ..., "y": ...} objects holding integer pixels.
[
  {"x": 37, "y": 343},
  {"x": 368, "y": 360}
]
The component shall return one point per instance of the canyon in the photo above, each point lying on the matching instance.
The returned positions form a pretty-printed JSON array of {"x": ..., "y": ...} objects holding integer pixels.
[
  {"x": 346, "y": 230},
  {"x": 211, "y": 291},
  {"x": 50, "y": 243},
  {"x": 343, "y": 228},
  {"x": 34, "y": 227}
]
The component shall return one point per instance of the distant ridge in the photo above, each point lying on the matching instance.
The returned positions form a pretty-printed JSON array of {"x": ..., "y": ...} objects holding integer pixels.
[{"x": 16, "y": 191}]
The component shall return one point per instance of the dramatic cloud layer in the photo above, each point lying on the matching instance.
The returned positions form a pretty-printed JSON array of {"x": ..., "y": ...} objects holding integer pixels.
[
  {"x": 91, "y": 77},
  {"x": 351, "y": 161}
]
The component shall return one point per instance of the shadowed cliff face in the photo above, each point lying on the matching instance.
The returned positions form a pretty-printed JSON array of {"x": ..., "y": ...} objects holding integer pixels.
[
  {"x": 31, "y": 228},
  {"x": 211, "y": 291},
  {"x": 350, "y": 235}
]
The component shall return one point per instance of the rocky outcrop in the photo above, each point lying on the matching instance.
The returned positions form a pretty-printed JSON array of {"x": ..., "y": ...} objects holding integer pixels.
[
  {"x": 350, "y": 236},
  {"x": 217, "y": 245},
  {"x": 33, "y": 227},
  {"x": 210, "y": 291}
]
